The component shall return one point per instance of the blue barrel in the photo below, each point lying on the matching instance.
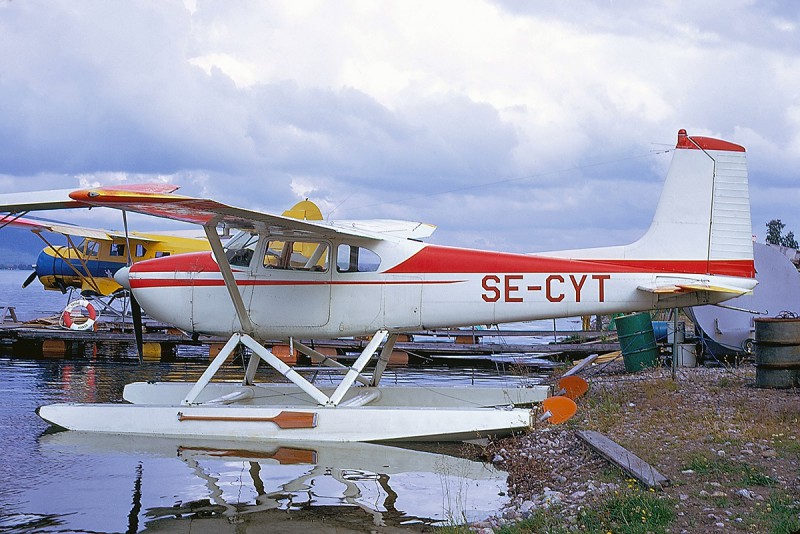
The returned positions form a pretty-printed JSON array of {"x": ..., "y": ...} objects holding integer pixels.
[
  {"x": 637, "y": 341},
  {"x": 661, "y": 330}
]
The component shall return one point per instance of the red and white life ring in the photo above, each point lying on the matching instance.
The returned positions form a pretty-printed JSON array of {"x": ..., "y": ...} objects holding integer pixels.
[{"x": 67, "y": 318}]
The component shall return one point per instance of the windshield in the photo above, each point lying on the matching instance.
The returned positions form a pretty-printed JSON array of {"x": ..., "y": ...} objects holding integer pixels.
[{"x": 240, "y": 248}]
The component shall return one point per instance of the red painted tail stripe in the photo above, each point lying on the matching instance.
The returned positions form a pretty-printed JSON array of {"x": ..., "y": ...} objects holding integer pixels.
[{"x": 437, "y": 259}]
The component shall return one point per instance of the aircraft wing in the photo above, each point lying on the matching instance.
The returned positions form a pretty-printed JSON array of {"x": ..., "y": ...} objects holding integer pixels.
[
  {"x": 689, "y": 286},
  {"x": 406, "y": 229},
  {"x": 60, "y": 199},
  {"x": 205, "y": 211}
]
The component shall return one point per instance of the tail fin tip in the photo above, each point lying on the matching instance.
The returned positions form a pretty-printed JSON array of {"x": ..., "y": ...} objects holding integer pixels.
[{"x": 705, "y": 143}]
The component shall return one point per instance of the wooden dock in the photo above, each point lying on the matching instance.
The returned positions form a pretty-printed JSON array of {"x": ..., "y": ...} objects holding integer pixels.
[{"x": 45, "y": 338}]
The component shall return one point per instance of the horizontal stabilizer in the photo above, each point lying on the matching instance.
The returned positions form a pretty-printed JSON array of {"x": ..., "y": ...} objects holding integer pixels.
[{"x": 690, "y": 286}]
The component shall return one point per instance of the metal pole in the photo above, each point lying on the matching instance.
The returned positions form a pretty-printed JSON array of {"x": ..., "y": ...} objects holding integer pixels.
[{"x": 674, "y": 341}]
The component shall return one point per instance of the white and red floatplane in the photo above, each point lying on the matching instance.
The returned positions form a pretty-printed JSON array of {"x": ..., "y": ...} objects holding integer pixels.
[{"x": 287, "y": 278}]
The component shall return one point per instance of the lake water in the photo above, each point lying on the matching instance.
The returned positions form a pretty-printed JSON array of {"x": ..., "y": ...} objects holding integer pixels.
[{"x": 68, "y": 481}]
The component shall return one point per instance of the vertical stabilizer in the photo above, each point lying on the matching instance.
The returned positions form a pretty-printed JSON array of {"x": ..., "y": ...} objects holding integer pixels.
[
  {"x": 703, "y": 214},
  {"x": 704, "y": 209}
]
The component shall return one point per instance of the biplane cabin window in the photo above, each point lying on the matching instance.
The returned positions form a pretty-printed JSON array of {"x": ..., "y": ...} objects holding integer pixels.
[
  {"x": 117, "y": 249},
  {"x": 240, "y": 249},
  {"x": 140, "y": 250},
  {"x": 353, "y": 259},
  {"x": 90, "y": 248},
  {"x": 296, "y": 255},
  {"x": 162, "y": 253}
]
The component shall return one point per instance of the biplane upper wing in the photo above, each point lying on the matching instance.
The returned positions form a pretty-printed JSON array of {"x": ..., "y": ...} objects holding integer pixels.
[
  {"x": 205, "y": 211},
  {"x": 97, "y": 234}
]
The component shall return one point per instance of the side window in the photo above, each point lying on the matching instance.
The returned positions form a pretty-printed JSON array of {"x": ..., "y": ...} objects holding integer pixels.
[
  {"x": 162, "y": 253},
  {"x": 92, "y": 248},
  {"x": 140, "y": 250},
  {"x": 296, "y": 255},
  {"x": 117, "y": 249},
  {"x": 353, "y": 259}
]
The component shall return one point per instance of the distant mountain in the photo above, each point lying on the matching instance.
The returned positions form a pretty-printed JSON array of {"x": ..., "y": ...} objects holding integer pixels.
[{"x": 20, "y": 247}]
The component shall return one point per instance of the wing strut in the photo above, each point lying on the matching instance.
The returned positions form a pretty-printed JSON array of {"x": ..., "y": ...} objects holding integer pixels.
[{"x": 210, "y": 229}]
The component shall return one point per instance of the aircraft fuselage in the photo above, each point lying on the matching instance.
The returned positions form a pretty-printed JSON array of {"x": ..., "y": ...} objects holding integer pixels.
[{"x": 415, "y": 286}]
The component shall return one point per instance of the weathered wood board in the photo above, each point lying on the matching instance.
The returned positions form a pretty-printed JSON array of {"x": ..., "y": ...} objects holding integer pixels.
[{"x": 624, "y": 459}]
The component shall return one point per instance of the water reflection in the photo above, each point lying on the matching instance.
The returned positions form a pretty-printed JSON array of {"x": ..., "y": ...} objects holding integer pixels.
[
  {"x": 68, "y": 481},
  {"x": 157, "y": 478}
]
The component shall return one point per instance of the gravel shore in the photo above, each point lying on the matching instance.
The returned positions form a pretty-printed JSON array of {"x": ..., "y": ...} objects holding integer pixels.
[{"x": 730, "y": 450}]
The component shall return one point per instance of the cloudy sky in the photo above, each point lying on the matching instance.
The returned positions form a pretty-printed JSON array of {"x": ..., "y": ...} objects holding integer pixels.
[{"x": 512, "y": 125}]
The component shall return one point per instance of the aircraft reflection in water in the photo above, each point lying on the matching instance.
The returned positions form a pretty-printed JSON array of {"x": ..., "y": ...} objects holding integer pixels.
[{"x": 191, "y": 477}]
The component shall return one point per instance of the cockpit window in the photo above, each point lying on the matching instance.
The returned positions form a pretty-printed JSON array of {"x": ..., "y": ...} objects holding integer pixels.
[
  {"x": 353, "y": 259},
  {"x": 240, "y": 249},
  {"x": 117, "y": 249},
  {"x": 296, "y": 255}
]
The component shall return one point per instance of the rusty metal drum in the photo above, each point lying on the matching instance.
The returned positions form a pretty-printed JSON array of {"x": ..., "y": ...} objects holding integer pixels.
[{"x": 777, "y": 352}]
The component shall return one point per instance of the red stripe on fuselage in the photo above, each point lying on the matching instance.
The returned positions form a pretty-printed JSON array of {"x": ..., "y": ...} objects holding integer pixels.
[
  {"x": 434, "y": 259},
  {"x": 438, "y": 259},
  {"x": 200, "y": 262}
]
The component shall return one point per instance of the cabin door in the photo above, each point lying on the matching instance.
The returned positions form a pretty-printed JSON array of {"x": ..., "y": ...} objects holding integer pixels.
[{"x": 290, "y": 286}]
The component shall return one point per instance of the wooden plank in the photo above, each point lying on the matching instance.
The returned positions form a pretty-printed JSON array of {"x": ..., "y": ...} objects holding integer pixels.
[
  {"x": 624, "y": 459},
  {"x": 581, "y": 365}
]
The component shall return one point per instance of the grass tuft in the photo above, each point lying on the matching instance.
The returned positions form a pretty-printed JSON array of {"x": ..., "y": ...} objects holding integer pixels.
[
  {"x": 629, "y": 512},
  {"x": 736, "y": 473},
  {"x": 780, "y": 515}
]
